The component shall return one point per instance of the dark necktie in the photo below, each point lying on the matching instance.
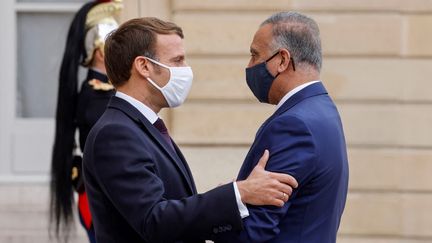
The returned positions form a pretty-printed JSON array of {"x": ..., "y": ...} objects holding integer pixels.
[{"x": 160, "y": 125}]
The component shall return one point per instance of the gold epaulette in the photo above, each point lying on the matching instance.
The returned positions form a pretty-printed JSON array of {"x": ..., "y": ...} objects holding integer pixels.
[{"x": 99, "y": 85}]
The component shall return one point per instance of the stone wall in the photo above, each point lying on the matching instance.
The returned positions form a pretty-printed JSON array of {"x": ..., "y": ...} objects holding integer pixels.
[{"x": 377, "y": 62}]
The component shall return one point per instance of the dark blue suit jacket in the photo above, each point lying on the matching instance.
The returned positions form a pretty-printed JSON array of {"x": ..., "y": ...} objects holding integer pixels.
[
  {"x": 140, "y": 190},
  {"x": 306, "y": 140}
]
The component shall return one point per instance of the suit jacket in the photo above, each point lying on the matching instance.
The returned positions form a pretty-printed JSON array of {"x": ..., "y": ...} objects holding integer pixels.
[
  {"x": 306, "y": 140},
  {"x": 141, "y": 190}
]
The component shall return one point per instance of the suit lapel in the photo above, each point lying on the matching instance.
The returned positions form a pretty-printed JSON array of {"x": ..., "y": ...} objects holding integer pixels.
[
  {"x": 186, "y": 166},
  {"x": 310, "y": 91},
  {"x": 134, "y": 114}
]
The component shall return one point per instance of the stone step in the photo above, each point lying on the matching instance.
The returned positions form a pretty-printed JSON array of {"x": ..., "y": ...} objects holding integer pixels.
[{"x": 32, "y": 236}]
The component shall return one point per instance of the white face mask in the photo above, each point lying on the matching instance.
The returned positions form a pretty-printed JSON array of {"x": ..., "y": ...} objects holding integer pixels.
[{"x": 178, "y": 86}]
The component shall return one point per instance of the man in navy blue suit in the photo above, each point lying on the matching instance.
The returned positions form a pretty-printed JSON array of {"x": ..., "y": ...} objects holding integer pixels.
[
  {"x": 139, "y": 185},
  {"x": 304, "y": 135}
]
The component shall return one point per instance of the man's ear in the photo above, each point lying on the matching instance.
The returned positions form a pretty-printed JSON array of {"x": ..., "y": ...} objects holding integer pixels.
[
  {"x": 141, "y": 66},
  {"x": 99, "y": 55},
  {"x": 285, "y": 60}
]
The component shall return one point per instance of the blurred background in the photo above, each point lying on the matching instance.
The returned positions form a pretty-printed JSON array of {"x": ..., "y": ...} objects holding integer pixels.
[{"x": 377, "y": 65}]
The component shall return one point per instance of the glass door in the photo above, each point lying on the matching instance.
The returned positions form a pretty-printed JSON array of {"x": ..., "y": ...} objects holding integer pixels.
[{"x": 32, "y": 43}]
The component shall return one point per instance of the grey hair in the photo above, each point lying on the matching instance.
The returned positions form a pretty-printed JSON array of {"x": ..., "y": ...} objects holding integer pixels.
[{"x": 299, "y": 34}]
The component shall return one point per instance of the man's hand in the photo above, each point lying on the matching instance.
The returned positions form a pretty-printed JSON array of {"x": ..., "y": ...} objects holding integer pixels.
[{"x": 266, "y": 188}]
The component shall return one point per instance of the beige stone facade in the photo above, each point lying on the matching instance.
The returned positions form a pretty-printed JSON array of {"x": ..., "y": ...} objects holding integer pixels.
[{"x": 377, "y": 62}]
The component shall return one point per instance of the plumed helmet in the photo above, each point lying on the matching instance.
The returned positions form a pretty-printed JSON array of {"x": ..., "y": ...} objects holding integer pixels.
[{"x": 100, "y": 21}]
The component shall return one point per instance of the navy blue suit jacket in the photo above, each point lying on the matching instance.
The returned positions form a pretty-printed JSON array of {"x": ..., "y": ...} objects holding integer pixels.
[
  {"x": 306, "y": 140},
  {"x": 140, "y": 190}
]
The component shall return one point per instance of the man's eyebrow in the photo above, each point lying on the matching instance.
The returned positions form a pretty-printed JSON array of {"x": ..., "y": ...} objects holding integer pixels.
[{"x": 179, "y": 57}]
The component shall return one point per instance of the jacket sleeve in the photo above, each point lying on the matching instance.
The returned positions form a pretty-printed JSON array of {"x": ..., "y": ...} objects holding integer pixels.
[
  {"x": 124, "y": 168},
  {"x": 292, "y": 151}
]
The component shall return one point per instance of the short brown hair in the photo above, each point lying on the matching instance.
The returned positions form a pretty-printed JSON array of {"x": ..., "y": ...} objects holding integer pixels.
[{"x": 136, "y": 37}]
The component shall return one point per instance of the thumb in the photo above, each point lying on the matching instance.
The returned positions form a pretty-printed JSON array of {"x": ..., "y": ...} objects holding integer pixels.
[{"x": 263, "y": 160}]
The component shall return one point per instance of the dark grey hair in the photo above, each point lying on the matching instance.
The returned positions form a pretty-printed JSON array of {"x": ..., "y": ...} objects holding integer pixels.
[{"x": 299, "y": 34}]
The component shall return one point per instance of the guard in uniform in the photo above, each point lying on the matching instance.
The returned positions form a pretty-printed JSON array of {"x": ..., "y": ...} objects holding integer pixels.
[{"x": 77, "y": 111}]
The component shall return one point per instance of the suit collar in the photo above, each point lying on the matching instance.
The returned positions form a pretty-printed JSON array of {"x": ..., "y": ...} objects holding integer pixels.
[
  {"x": 311, "y": 90},
  {"x": 145, "y": 110},
  {"x": 293, "y": 92},
  {"x": 138, "y": 117}
]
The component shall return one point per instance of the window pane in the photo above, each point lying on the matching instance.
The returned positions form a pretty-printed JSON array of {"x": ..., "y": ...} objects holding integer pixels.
[{"x": 41, "y": 40}]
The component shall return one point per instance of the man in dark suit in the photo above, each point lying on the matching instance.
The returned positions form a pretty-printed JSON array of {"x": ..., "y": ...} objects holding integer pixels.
[
  {"x": 139, "y": 185},
  {"x": 304, "y": 135}
]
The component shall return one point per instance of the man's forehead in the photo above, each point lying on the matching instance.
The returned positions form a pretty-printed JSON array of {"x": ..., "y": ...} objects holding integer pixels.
[
  {"x": 262, "y": 38},
  {"x": 169, "y": 46},
  {"x": 169, "y": 39}
]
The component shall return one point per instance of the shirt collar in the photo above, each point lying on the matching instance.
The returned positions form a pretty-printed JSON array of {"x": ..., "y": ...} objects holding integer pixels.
[
  {"x": 293, "y": 92},
  {"x": 145, "y": 110}
]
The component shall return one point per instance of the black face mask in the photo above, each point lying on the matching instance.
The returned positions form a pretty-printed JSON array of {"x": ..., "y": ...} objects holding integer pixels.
[{"x": 259, "y": 79}]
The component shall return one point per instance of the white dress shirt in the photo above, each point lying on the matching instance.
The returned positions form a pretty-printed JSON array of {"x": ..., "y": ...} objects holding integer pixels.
[
  {"x": 152, "y": 118},
  {"x": 145, "y": 110},
  {"x": 293, "y": 92}
]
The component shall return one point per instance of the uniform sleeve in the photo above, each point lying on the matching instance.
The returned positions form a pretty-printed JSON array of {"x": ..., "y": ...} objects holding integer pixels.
[
  {"x": 292, "y": 151},
  {"x": 124, "y": 168}
]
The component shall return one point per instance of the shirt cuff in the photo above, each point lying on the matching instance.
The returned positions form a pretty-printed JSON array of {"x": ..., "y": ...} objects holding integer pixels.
[{"x": 244, "y": 212}]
